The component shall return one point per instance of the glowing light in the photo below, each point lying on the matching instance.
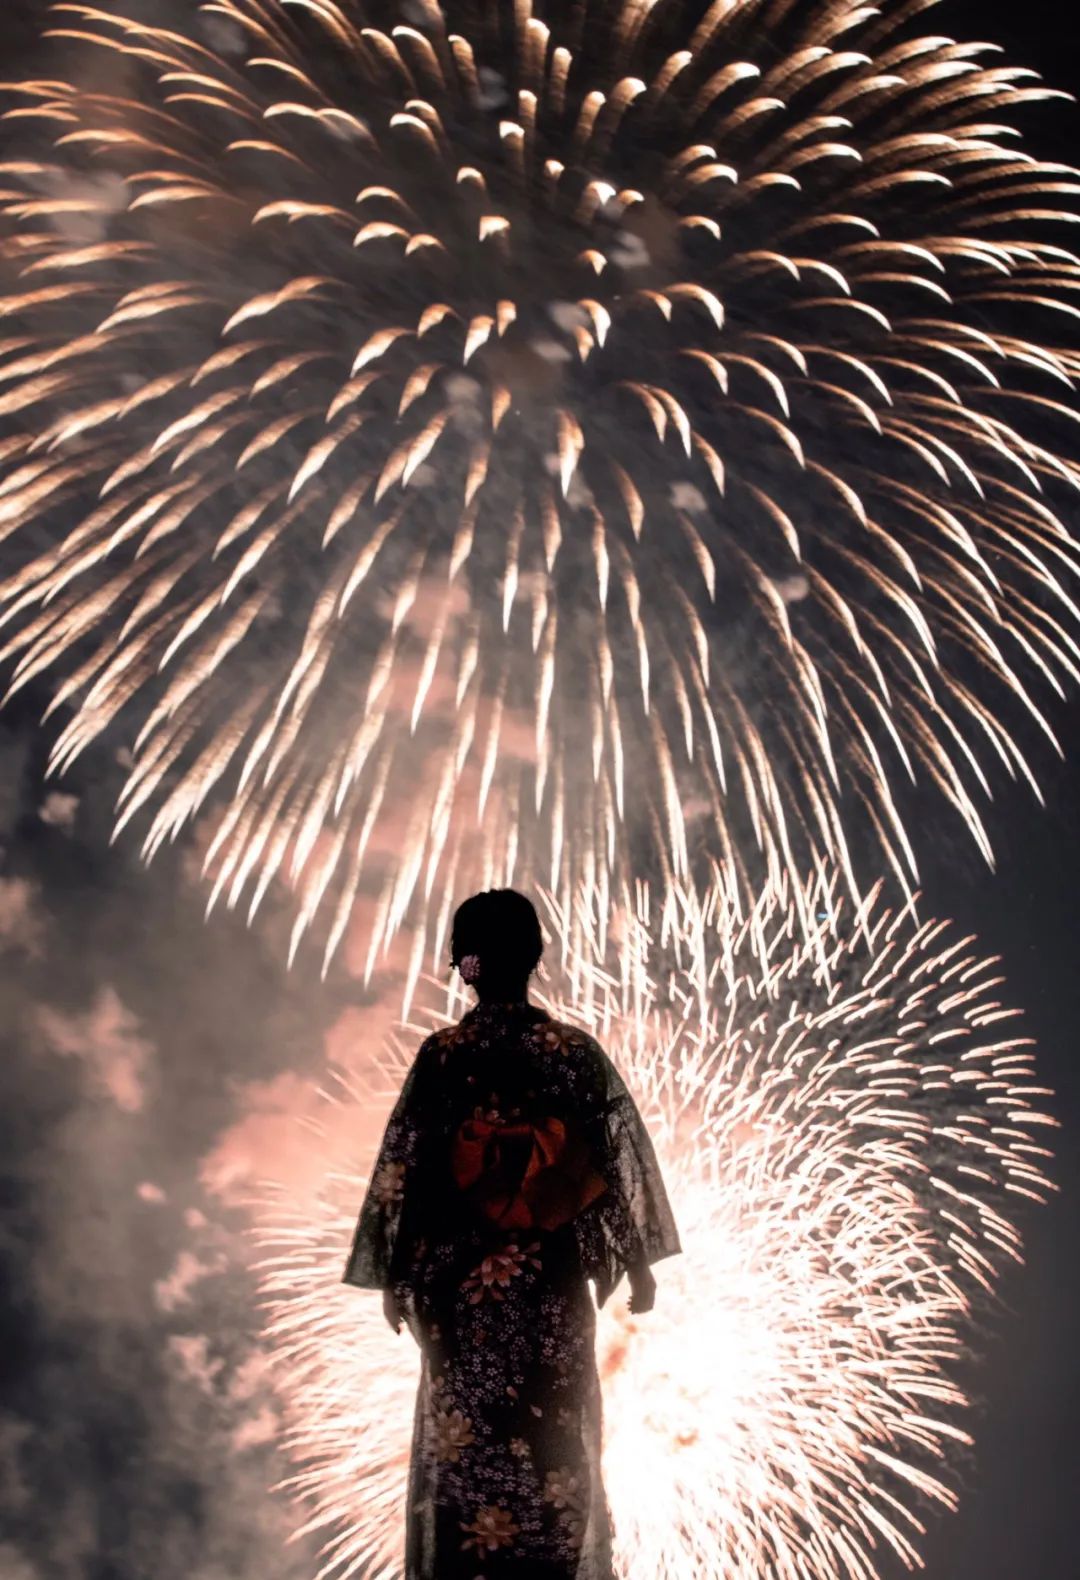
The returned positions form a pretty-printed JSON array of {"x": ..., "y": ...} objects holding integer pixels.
[
  {"x": 750, "y": 477},
  {"x": 847, "y": 1125}
]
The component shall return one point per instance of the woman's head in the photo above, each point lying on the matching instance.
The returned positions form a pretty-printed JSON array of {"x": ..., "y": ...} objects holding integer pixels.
[{"x": 497, "y": 937}]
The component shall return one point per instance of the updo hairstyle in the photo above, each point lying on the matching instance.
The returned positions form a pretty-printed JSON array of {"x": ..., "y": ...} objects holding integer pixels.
[{"x": 501, "y": 929}]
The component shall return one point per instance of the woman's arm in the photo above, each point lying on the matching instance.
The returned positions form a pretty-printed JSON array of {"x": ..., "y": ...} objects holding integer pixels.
[
  {"x": 631, "y": 1226},
  {"x": 642, "y": 1286},
  {"x": 391, "y": 1309},
  {"x": 371, "y": 1258}
]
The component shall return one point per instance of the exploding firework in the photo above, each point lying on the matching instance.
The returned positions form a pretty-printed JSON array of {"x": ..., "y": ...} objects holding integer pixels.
[
  {"x": 846, "y": 1135},
  {"x": 447, "y": 431}
]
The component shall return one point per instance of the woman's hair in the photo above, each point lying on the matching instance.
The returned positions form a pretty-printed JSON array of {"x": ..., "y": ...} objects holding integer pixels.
[{"x": 502, "y": 930}]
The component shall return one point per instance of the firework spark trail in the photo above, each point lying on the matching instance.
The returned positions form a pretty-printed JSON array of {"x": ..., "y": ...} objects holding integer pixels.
[
  {"x": 847, "y": 1127},
  {"x": 642, "y": 423}
]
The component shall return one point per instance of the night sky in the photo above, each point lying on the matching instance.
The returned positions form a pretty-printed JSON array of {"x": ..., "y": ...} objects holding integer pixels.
[
  {"x": 1019, "y": 1515},
  {"x": 151, "y": 1060}
]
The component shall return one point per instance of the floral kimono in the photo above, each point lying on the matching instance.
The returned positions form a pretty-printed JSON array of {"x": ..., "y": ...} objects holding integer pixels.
[{"x": 515, "y": 1167}]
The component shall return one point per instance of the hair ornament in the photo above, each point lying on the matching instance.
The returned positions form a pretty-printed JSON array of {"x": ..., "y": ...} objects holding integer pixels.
[{"x": 469, "y": 966}]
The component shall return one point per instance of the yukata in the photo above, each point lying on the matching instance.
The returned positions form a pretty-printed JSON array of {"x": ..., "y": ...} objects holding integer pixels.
[{"x": 515, "y": 1167}]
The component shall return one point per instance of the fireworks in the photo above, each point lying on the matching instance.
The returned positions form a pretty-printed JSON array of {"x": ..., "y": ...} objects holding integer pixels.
[
  {"x": 450, "y": 431},
  {"x": 846, "y": 1137}
]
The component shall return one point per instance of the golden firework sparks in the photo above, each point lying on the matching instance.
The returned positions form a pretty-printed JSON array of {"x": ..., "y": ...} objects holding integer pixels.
[{"x": 664, "y": 419}]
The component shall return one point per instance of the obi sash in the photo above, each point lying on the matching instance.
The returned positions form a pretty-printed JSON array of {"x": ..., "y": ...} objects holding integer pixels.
[{"x": 524, "y": 1174}]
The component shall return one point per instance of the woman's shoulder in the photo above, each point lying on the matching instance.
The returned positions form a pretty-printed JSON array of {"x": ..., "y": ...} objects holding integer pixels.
[
  {"x": 567, "y": 1040},
  {"x": 473, "y": 1030},
  {"x": 440, "y": 1042}
]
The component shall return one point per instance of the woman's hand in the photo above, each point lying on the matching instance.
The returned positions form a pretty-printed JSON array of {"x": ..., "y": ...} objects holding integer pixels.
[
  {"x": 390, "y": 1310},
  {"x": 642, "y": 1290}
]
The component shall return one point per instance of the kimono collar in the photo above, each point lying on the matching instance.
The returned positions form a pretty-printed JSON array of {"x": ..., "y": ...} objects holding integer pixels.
[{"x": 490, "y": 1010}]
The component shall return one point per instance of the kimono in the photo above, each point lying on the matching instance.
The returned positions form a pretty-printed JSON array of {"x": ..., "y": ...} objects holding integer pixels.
[{"x": 515, "y": 1168}]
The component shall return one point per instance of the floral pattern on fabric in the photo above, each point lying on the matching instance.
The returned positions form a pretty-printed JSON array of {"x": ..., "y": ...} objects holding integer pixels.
[
  {"x": 563, "y": 1490},
  {"x": 491, "y": 1529},
  {"x": 388, "y": 1184},
  {"x": 453, "y": 1431},
  {"x": 494, "y": 1273},
  {"x": 514, "y": 1168}
]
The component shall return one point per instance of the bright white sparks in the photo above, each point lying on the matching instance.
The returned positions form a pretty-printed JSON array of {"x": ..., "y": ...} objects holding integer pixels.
[{"x": 847, "y": 1130}]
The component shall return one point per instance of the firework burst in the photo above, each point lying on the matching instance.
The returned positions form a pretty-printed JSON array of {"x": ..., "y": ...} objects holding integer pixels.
[
  {"x": 443, "y": 431},
  {"x": 846, "y": 1129}
]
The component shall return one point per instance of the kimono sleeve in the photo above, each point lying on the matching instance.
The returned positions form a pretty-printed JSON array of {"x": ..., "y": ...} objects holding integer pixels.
[
  {"x": 632, "y": 1222},
  {"x": 379, "y": 1224}
]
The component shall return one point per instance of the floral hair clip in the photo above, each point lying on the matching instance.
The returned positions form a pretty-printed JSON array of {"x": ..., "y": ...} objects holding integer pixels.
[{"x": 469, "y": 966}]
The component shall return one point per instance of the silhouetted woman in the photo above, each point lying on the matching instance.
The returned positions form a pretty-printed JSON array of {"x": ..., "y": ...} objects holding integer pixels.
[{"x": 515, "y": 1167}]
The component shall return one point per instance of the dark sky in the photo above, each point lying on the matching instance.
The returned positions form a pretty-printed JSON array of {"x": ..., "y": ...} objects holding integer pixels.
[
  {"x": 131, "y": 1034},
  {"x": 1020, "y": 1515}
]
